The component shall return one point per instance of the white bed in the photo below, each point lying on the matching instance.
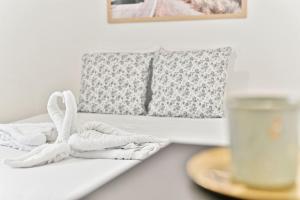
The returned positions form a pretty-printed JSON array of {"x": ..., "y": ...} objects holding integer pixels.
[{"x": 74, "y": 178}]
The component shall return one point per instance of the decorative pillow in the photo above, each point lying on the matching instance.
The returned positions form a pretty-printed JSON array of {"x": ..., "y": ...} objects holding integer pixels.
[
  {"x": 189, "y": 83},
  {"x": 114, "y": 83}
]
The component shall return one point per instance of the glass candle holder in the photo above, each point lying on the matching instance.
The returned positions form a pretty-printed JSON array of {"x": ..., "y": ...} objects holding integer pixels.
[{"x": 264, "y": 141}]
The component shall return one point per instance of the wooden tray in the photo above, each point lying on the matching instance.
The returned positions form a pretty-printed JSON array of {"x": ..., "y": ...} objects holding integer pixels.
[{"x": 211, "y": 170}]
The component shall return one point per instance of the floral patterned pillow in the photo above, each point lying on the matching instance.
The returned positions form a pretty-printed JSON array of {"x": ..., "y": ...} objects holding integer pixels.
[
  {"x": 189, "y": 83},
  {"x": 114, "y": 83}
]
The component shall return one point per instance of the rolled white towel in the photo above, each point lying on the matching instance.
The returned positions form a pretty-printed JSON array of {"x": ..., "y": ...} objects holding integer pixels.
[
  {"x": 91, "y": 140},
  {"x": 127, "y": 152},
  {"x": 100, "y": 140}
]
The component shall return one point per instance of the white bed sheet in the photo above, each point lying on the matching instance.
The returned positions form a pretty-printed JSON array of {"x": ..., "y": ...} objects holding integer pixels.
[{"x": 74, "y": 178}]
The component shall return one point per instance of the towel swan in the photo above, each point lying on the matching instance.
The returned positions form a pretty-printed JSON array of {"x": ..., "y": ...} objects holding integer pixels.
[
  {"x": 59, "y": 150},
  {"x": 92, "y": 140}
]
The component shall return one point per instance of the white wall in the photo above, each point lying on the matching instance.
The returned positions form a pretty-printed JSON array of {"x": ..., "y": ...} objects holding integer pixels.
[{"x": 41, "y": 43}]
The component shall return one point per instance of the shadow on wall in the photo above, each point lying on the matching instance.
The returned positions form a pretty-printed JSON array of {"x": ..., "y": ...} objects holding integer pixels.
[{"x": 116, "y": 2}]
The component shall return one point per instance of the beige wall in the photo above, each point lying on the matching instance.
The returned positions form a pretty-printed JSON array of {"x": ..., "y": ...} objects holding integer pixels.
[{"x": 41, "y": 43}]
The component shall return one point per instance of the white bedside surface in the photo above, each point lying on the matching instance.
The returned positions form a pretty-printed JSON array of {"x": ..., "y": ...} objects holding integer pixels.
[{"x": 74, "y": 178}]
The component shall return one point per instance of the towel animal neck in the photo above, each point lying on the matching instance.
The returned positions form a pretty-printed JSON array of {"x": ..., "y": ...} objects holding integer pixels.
[
  {"x": 64, "y": 122},
  {"x": 92, "y": 140}
]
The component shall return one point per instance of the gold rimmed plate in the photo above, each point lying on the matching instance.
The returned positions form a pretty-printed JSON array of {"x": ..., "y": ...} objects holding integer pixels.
[{"x": 210, "y": 169}]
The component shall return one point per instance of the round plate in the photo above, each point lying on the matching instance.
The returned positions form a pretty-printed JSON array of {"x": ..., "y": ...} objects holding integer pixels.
[{"x": 211, "y": 170}]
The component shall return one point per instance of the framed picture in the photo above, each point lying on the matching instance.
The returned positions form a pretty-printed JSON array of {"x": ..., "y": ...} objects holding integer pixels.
[{"x": 122, "y": 11}]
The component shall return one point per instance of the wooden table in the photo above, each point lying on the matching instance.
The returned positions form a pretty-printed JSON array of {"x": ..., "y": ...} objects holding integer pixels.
[{"x": 162, "y": 176}]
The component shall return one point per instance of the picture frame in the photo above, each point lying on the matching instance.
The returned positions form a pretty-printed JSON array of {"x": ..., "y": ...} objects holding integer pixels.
[{"x": 130, "y": 11}]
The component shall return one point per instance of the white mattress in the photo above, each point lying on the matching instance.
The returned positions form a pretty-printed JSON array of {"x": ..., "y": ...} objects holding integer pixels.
[{"x": 74, "y": 178}]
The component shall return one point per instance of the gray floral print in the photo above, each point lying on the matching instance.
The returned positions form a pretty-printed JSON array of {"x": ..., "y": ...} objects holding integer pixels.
[
  {"x": 114, "y": 83},
  {"x": 189, "y": 83}
]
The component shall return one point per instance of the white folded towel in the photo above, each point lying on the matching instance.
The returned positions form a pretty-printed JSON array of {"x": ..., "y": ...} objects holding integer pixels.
[
  {"x": 127, "y": 152},
  {"x": 25, "y": 137},
  {"x": 100, "y": 140},
  {"x": 93, "y": 140}
]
